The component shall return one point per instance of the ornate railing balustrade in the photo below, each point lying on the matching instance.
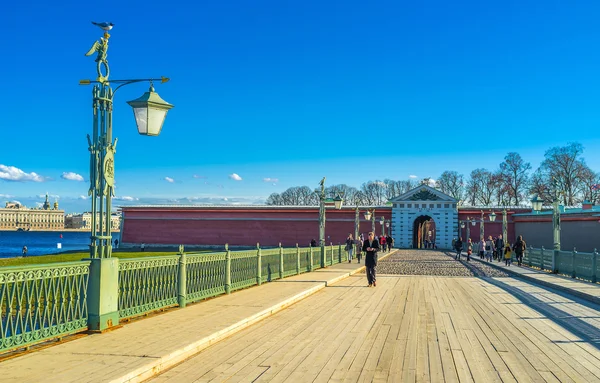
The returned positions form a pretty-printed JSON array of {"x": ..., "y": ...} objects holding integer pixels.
[
  {"x": 147, "y": 284},
  {"x": 570, "y": 263},
  {"x": 42, "y": 302}
]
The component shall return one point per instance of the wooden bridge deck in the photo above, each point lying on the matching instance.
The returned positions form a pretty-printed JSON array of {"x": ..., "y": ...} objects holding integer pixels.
[{"x": 412, "y": 329}]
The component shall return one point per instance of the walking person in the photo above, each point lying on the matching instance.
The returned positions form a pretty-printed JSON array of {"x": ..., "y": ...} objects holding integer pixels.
[
  {"x": 469, "y": 249},
  {"x": 458, "y": 245},
  {"x": 481, "y": 248},
  {"x": 507, "y": 255},
  {"x": 520, "y": 247},
  {"x": 143, "y": 247},
  {"x": 350, "y": 246},
  {"x": 359, "y": 246},
  {"x": 499, "y": 247},
  {"x": 371, "y": 247},
  {"x": 24, "y": 251},
  {"x": 489, "y": 248}
]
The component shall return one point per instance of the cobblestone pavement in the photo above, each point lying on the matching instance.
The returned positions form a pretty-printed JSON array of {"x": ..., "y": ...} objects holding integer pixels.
[{"x": 437, "y": 263}]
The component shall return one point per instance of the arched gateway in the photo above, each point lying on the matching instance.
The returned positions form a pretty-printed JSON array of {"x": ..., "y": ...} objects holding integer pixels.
[{"x": 424, "y": 213}]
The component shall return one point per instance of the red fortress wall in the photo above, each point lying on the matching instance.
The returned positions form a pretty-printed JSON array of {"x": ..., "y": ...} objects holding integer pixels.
[{"x": 239, "y": 226}]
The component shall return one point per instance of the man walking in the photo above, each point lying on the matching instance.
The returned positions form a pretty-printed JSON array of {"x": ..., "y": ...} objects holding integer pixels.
[
  {"x": 371, "y": 246},
  {"x": 499, "y": 248}
]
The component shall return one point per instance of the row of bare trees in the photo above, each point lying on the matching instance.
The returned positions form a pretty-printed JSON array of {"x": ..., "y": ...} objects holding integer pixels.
[{"x": 512, "y": 184}]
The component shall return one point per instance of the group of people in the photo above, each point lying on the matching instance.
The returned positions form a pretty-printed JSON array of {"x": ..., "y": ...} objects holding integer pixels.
[
  {"x": 493, "y": 249},
  {"x": 385, "y": 244}
]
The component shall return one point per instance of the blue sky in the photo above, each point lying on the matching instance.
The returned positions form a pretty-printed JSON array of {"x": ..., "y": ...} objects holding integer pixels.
[{"x": 282, "y": 93}]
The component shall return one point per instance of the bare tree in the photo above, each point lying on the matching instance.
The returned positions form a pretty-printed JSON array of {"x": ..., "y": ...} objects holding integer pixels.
[
  {"x": 347, "y": 192},
  {"x": 565, "y": 166},
  {"x": 538, "y": 185},
  {"x": 514, "y": 177},
  {"x": 591, "y": 186},
  {"x": 481, "y": 187},
  {"x": 374, "y": 192},
  {"x": 452, "y": 184},
  {"x": 274, "y": 199}
]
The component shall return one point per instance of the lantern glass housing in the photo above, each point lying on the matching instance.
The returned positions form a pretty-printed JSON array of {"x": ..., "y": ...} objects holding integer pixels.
[
  {"x": 338, "y": 202},
  {"x": 150, "y": 112}
]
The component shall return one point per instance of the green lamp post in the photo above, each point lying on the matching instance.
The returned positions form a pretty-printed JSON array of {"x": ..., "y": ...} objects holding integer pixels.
[
  {"x": 370, "y": 216},
  {"x": 149, "y": 111},
  {"x": 338, "y": 201},
  {"x": 356, "y": 222}
]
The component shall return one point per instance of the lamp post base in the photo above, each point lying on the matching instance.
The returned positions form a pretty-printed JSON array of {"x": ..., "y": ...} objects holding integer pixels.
[{"x": 102, "y": 294}]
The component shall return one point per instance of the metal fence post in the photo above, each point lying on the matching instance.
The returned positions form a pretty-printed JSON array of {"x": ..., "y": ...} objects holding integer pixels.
[
  {"x": 182, "y": 285},
  {"x": 340, "y": 254},
  {"x": 227, "y": 269},
  {"x": 310, "y": 261},
  {"x": 258, "y": 265},
  {"x": 594, "y": 265},
  {"x": 323, "y": 255},
  {"x": 573, "y": 274},
  {"x": 280, "y": 261},
  {"x": 297, "y": 259},
  {"x": 542, "y": 259}
]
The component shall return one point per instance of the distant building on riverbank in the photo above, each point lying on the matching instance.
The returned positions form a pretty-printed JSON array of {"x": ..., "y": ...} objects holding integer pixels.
[
  {"x": 15, "y": 216},
  {"x": 84, "y": 221}
]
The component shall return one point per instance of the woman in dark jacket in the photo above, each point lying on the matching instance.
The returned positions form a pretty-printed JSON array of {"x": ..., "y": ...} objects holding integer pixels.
[
  {"x": 519, "y": 248},
  {"x": 459, "y": 248}
]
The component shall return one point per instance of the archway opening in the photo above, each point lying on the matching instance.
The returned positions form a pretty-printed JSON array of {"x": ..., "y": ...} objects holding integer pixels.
[{"x": 424, "y": 233}]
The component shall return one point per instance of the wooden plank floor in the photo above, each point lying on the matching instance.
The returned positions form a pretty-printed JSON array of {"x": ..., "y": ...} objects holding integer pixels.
[{"x": 412, "y": 329}]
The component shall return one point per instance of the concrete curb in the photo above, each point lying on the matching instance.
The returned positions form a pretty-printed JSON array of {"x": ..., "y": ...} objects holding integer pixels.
[
  {"x": 579, "y": 294},
  {"x": 167, "y": 361}
]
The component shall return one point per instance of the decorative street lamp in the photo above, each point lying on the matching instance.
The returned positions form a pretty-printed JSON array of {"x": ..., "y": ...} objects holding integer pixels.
[
  {"x": 536, "y": 203},
  {"x": 382, "y": 222},
  {"x": 504, "y": 226},
  {"x": 338, "y": 201},
  {"x": 492, "y": 217},
  {"x": 150, "y": 111},
  {"x": 482, "y": 226},
  {"x": 356, "y": 222},
  {"x": 370, "y": 216}
]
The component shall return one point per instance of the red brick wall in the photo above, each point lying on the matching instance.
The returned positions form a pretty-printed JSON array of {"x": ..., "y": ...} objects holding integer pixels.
[{"x": 238, "y": 226}]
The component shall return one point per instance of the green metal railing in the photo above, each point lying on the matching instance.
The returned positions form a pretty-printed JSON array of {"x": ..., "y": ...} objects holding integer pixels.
[
  {"x": 570, "y": 263},
  {"x": 204, "y": 276},
  {"x": 147, "y": 284},
  {"x": 42, "y": 302}
]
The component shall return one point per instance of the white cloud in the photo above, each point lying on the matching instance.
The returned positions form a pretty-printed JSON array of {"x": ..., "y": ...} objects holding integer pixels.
[
  {"x": 273, "y": 180},
  {"x": 235, "y": 177},
  {"x": 83, "y": 197},
  {"x": 126, "y": 198},
  {"x": 51, "y": 196},
  {"x": 11, "y": 173},
  {"x": 197, "y": 176},
  {"x": 39, "y": 204},
  {"x": 169, "y": 179},
  {"x": 412, "y": 176},
  {"x": 71, "y": 176},
  {"x": 431, "y": 182},
  {"x": 6, "y": 196}
]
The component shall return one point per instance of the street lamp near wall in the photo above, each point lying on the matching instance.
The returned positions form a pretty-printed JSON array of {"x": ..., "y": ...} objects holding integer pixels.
[
  {"x": 338, "y": 201},
  {"x": 356, "y": 222},
  {"x": 370, "y": 216},
  {"x": 150, "y": 111},
  {"x": 536, "y": 203}
]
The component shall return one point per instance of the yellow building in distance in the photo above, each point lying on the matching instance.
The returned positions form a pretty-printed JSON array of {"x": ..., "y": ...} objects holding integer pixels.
[{"x": 15, "y": 216}]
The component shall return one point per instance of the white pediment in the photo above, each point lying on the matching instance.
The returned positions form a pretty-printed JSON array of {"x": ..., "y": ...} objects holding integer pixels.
[{"x": 424, "y": 193}]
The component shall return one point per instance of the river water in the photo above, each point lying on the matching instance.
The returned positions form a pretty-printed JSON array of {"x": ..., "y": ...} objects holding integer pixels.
[{"x": 44, "y": 242}]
